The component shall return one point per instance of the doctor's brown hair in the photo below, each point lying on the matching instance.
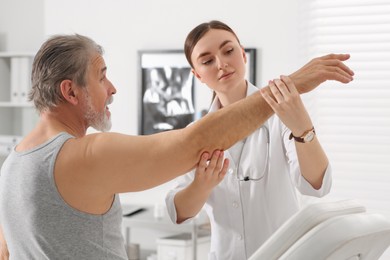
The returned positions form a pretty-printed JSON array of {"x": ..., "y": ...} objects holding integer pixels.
[{"x": 198, "y": 32}]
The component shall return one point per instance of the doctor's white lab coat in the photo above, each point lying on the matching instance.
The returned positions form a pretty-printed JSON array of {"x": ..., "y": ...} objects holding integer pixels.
[{"x": 243, "y": 214}]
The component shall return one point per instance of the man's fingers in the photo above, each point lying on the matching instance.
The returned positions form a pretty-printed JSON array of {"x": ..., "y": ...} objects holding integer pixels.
[
  {"x": 333, "y": 56},
  {"x": 342, "y": 73},
  {"x": 331, "y": 75},
  {"x": 338, "y": 64}
]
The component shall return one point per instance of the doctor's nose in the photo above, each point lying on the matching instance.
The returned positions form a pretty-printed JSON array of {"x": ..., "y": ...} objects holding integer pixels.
[{"x": 222, "y": 65}]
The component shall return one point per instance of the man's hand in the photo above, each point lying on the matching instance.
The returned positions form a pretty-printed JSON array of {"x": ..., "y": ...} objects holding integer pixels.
[{"x": 321, "y": 69}]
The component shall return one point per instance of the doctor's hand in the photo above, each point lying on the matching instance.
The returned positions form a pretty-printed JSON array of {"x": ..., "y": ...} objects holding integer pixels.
[
  {"x": 210, "y": 173},
  {"x": 321, "y": 69},
  {"x": 287, "y": 104}
]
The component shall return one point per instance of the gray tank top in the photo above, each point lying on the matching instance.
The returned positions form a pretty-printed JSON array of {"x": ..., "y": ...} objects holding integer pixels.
[{"x": 39, "y": 224}]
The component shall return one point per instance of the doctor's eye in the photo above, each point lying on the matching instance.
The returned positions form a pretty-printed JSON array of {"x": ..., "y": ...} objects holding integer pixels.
[
  {"x": 229, "y": 51},
  {"x": 207, "y": 62}
]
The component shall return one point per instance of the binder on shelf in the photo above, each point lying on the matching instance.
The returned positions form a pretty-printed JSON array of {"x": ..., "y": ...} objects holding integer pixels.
[
  {"x": 4, "y": 79},
  {"x": 14, "y": 79},
  {"x": 20, "y": 79},
  {"x": 24, "y": 78}
]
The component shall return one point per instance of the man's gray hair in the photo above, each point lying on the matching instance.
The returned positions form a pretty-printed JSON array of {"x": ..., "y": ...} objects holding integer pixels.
[{"x": 61, "y": 57}]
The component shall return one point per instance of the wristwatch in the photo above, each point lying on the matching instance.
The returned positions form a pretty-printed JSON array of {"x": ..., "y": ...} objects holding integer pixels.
[{"x": 306, "y": 137}]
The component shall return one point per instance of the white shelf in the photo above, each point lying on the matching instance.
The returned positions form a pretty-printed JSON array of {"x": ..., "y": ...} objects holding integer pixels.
[
  {"x": 16, "y": 112},
  {"x": 16, "y": 54},
  {"x": 15, "y": 104}
]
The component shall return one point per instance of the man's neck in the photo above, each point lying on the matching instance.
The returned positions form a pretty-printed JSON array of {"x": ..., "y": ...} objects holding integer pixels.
[
  {"x": 50, "y": 124},
  {"x": 63, "y": 120}
]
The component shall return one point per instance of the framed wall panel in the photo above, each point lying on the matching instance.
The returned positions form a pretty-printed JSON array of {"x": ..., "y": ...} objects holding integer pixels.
[{"x": 167, "y": 91}]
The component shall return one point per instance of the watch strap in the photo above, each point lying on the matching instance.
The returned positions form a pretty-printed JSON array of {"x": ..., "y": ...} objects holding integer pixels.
[{"x": 301, "y": 139}]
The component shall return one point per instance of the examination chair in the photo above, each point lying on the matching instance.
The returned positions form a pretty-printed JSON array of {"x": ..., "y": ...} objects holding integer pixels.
[{"x": 339, "y": 230}]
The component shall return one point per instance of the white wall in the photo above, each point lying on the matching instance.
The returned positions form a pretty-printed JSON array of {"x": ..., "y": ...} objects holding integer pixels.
[{"x": 21, "y": 25}]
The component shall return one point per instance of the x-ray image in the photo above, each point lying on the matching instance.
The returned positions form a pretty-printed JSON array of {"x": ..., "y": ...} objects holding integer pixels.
[{"x": 167, "y": 94}]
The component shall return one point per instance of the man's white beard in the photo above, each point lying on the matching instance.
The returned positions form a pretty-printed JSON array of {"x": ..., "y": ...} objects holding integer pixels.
[{"x": 99, "y": 121}]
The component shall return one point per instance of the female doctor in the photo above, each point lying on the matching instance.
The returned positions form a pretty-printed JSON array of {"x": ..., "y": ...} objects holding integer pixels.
[{"x": 249, "y": 190}]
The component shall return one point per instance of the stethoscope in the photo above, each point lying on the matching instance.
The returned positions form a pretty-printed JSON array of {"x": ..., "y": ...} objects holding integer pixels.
[{"x": 239, "y": 176}]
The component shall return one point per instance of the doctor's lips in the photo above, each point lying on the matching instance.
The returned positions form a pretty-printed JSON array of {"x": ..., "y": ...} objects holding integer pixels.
[{"x": 226, "y": 75}]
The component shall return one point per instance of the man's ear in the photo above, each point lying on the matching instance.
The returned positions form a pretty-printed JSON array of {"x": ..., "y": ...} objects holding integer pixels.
[
  {"x": 69, "y": 91},
  {"x": 196, "y": 75}
]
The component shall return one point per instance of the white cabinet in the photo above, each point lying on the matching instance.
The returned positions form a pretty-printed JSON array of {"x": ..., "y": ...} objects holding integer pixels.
[
  {"x": 194, "y": 244},
  {"x": 180, "y": 247},
  {"x": 17, "y": 114}
]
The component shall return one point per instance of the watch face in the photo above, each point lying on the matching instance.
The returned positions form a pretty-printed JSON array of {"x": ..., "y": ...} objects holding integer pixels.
[{"x": 309, "y": 137}]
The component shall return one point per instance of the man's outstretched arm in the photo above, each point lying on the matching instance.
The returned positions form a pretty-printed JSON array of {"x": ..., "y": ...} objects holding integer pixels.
[{"x": 123, "y": 163}]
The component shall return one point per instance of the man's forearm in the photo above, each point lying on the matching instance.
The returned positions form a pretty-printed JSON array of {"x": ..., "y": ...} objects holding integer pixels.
[
  {"x": 178, "y": 151},
  {"x": 223, "y": 128}
]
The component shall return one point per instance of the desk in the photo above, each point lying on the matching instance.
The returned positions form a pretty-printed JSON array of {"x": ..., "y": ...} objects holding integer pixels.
[{"x": 146, "y": 219}]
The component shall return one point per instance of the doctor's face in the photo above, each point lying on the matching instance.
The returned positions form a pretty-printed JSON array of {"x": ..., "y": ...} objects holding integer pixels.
[{"x": 219, "y": 60}]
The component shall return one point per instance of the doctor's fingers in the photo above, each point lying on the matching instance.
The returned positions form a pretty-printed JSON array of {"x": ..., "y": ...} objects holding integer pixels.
[
  {"x": 288, "y": 92},
  {"x": 269, "y": 98},
  {"x": 206, "y": 164},
  {"x": 224, "y": 169},
  {"x": 275, "y": 87},
  {"x": 202, "y": 164},
  {"x": 215, "y": 163},
  {"x": 289, "y": 84},
  {"x": 215, "y": 175}
]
